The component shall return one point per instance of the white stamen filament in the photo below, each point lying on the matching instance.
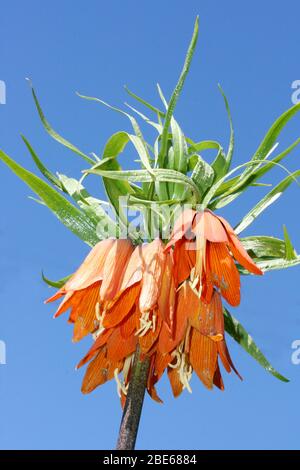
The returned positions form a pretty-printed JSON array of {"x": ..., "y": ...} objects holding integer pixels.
[
  {"x": 146, "y": 324},
  {"x": 120, "y": 385},
  {"x": 184, "y": 369},
  {"x": 97, "y": 311},
  {"x": 178, "y": 359},
  {"x": 100, "y": 318},
  {"x": 126, "y": 368},
  {"x": 153, "y": 323}
]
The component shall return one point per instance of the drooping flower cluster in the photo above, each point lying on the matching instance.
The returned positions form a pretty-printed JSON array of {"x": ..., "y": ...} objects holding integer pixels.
[{"x": 166, "y": 298}]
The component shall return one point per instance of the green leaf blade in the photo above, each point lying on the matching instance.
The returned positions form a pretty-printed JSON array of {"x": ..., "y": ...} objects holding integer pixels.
[
  {"x": 240, "y": 335},
  {"x": 68, "y": 214}
]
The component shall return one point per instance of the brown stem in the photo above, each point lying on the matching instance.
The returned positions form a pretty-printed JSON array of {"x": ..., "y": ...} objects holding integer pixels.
[{"x": 134, "y": 403}]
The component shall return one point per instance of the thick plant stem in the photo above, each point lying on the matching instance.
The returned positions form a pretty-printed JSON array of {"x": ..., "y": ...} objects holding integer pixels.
[{"x": 134, "y": 403}]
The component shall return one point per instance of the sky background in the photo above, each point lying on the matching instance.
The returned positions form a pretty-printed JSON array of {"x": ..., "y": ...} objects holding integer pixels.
[{"x": 94, "y": 47}]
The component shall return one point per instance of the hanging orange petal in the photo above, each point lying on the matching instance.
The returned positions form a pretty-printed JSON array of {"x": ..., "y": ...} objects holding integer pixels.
[
  {"x": 213, "y": 228},
  {"x": 203, "y": 357},
  {"x": 167, "y": 341},
  {"x": 166, "y": 299},
  {"x": 99, "y": 371},
  {"x": 98, "y": 344},
  {"x": 194, "y": 307},
  {"x": 134, "y": 269},
  {"x": 71, "y": 300},
  {"x": 175, "y": 382},
  {"x": 127, "y": 326},
  {"x": 218, "y": 381},
  {"x": 96, "y": 373},
  {"x": 182, "y": 262},
  {"x": 153, "y": 266},
  {"x": 242, "y": 256},
  {"x": 152, "y": 380},
  {"x": 56, "y": 296},
  {"x": 223, "y": 272},
  {"x": 226, "y": 359},
  {"x": 91, "y": 270},
  {"x": 211, "y": 318},
  {"x": 153, "y": 394},
  {"x": 121, "y": 307},
  {"x": 238, "y": 250},
  {"x": 181, "y": 226},
  {"x": 161, "y": 363},
  {"x": 114, "y": 266},
  {"x": 86, "y": 321},
  {"x": 118, "y": 347},
  {"x": 147, "y": 340}
]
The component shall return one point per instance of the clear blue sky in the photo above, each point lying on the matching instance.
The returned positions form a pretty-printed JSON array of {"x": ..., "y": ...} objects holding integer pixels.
[{"x": 94, "y": 47}]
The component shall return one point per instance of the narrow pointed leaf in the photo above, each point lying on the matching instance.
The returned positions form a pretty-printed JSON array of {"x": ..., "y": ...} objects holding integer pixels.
[
  {"x": 145, "y": 103},
  {"x": 257, "y": 174},
  {"x": 176, "y": 93},
  {"x": 203, "y": 174},
  {"x": 57, "y": 284},
  {"x": 156, "y": 125},
  {"x": 266, "y": 147},
  {"x": 56, "y": 136},
  {"x": 240, "y": 335},
  {"x": 264, "y": 246},
  {"x": 143, "y": 176},
  {"x": 73, "y": 218},
  {"x": 231, "y": 140},
  {"x": 138, "y": 140},
  {"x": 290, "y": 253},
  {"x": 48, "y": 174},
  {"x": 90, "y": 206},
  {"x": 265, "y": 202}
]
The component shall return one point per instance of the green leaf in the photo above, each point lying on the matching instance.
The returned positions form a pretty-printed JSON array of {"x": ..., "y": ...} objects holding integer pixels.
[
  {"x": 209, "y": 197},
  {"x": 48, "y": 174},
  {"x": 70, "y": 216},
  {"x": 91, "y": 206},
  {"x": 266, "y": 201},
  {"x": 160, "y": 174},
  {"x": 142, "y": 151},
  {"x": 266, "y": 147},
  {"x": 272, "y": 264},
  {"x": 156, "y": 125},
  {"x": 240, "y": 335},
  {"x": 180, "y": 155},
  {"x": 231, "y": 141},
  {"x": 219, "y": 164},
  {"x": 145, "y": 103},
  {"x": 179, "y": 147},
  {"x": 57, "y": 284},
  {"x": 290, "y": 253},
  {"x": 255, "y": 175},
  {"x": 176, "y": 93},
  {"x": 146, "y": 202},
  {"x": 221, "y": 202},
  {"x": 273, "y": 133},
  {"x": 137, "y": 140},
  {"x": 261, "y": 246},
  {"x": 115, "y": 189},
  {"x": 55, "y": 135},
  {"x": 203, "y": 174},
  {"x": 195, "y": 147}
]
